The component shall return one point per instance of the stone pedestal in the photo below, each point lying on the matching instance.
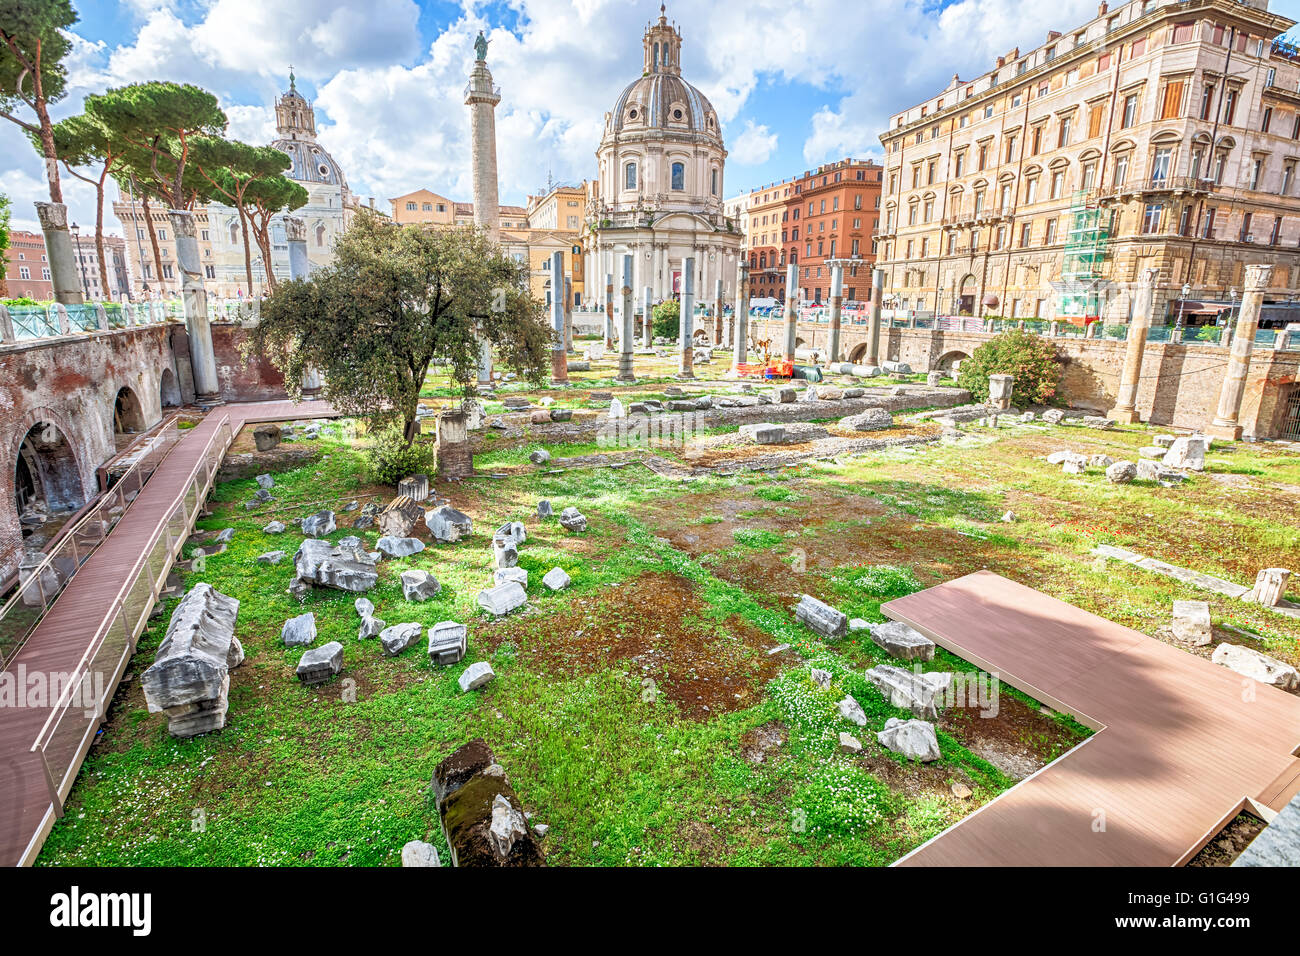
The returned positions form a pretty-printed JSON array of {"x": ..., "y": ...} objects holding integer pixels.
[
  {"x": 1000, "y": 387},
  {"x": 203, "y": 359},
  {"x": 454, "y": 457},
  {"x": 609, "y": 311},
  {"x": 717, "y": 312},
  {"x": 64, "y": 276}
]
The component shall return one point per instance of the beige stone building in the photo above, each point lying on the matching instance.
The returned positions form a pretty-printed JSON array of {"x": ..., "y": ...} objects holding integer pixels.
[
  {"x": 1158, "y": 134},
  {"x": 159, "y": 276}
]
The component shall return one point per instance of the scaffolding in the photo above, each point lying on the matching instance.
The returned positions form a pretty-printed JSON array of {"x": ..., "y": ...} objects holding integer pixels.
[{"x": 1087, "y": 244}]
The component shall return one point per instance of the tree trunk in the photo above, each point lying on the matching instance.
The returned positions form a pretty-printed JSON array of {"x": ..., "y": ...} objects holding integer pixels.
[
  {"x": 47, "y": 132},
  {"x": 99, "y": 234},
  {"x": 153, "y": 240},
  {"x": 248, "y": 250},
  {"x": 263, "y": 233}
]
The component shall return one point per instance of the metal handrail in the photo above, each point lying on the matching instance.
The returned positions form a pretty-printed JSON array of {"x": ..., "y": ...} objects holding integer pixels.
[
  {"x": 222, "y": 435},
  {"x": 29, "y": 578}
]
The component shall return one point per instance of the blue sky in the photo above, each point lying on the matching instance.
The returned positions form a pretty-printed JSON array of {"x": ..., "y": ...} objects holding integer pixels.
[{"x": 795, "y": 82}]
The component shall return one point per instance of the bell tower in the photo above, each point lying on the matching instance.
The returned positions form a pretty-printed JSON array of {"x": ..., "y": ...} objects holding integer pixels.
[{"x": 294, "y": 116}]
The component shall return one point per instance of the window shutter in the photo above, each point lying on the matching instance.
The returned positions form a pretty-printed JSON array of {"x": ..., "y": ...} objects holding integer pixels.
[{"x": 1173, "y": 99}]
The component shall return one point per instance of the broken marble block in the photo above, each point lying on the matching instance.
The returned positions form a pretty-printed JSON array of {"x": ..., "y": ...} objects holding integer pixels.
[
  {"x": 189, "y": 679},
  {"x": 445, "y": 523},
  {"x": 502, "y": 599},
  {"x": 399, "y": 547},
  {"x": 299, "y": 631},
  {"x": 480, "y": 812},
  {"x": 275, "y": 527},
  {"x": 321, "y": 523},
  {"x": 873, "y": 419},
  {"x": 763, "y": 433},
  {"x": 419, "y": 853},
  {"x": 476, "y": 675},
  {"x": 821, "y": 617},
  {"x": 504, "y": 552},
  {"x": 571, "y": 519},
  {"x": 1251, "y": 663},
  {"x": 512, "y": 531},
  {"x": 401, "y": 516},
  {"x": 319, "y": 664},
  {"x": 447, "y": 640},
  {"x": 1270, "y": 586},
  {"x": 849, "y": 744},
  {"x": 919, "y": 693},
  {"x": 270, "y": 557},
  {"x": 541, "y": 456},
  {"x": 265, "y": 482},
  {"x": 914, "y": 739},
  {"x": 399, "y": 637},
  {"x": 419, "y": 585},
  {"x": 1121, "y": 472},
  {"x": 556, "y": 579},
  {"x": 1187, "y": 452},
  {"x": 544, "y": 510},
  {"x": 348, "y": 569},
  {"x": 371, "y": 626},
  {"x": 902, "y": 641},
  {"x": 505, "y": 575},
  {"x": 1192, "y": 622},
  {"x": 364, "y": 606},
  {"x": 850, "y": 709},
  {"x": 416, "y": 487},
  {"x": 1053, "y": 416}
]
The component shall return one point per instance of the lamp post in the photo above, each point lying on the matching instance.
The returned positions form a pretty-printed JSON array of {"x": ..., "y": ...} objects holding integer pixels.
[
  {"x": 81, "y": 260},
  {"x": 1185, "y": 292}
]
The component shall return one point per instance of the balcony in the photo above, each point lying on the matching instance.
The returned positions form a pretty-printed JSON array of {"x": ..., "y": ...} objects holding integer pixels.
[
  {"x": 980, "y": 217},
  {"x": 1156, "y": 186}
]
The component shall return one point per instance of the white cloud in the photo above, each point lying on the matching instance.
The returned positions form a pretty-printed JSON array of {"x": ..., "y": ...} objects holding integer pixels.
[{"x": 754, "y": 145}]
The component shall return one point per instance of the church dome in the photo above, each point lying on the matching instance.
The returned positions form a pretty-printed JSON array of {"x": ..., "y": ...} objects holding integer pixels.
[
  {"x": 660, "y": 99},
  {"x": 295, "y": 122}
]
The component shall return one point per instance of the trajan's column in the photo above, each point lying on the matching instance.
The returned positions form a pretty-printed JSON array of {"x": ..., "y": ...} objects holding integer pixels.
[{"x": 482, "y": 98}]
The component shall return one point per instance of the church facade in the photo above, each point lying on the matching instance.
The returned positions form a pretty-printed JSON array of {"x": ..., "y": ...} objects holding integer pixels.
[{"x": 659, "y": 187}]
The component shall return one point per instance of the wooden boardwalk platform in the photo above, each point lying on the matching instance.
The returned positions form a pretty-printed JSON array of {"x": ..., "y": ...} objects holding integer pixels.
[
  {"x": 61, "y": 638},
  {"x": 1182, "y": 745}
]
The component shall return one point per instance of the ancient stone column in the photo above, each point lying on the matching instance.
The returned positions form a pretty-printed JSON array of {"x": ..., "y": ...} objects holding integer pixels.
[
  {"x": 1270, "y": 586},
  {"x": 484, "y": 364},
  {"x": 1125, "y": 409},
  {"x": 837, "y": 305},
  {"x": 791, "y": 309},
  {"x": 648, "y": 319},
  {"x": 717, "y": 312},
  {"x": 740, "y": 325},
  {"x": 686, "y": 359},
  {"x": 873, "y": 321},
  {"x": 559, "y": 361},
  {"x": 482, "y": 98},
  {"x": 58, "y": 249},
  {"x": 455, "y": 459},
  {"x": 203, "y": 358},
  {"x": 1225, "y": 423},
  {"x": 609, "y": 311},
  {"x": 627, "y": 337},
  {"x": 295, "y": 236},
  {"x": 568, "y": 314}
]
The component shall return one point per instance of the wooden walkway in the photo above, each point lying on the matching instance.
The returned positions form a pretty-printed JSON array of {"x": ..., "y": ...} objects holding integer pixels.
[
  {"x": 1182, "y": 745},
  {"x": 63, "y": 635}
]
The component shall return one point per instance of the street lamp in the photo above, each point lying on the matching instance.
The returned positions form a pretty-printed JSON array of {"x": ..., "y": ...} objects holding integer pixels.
[
  {"x": 81, "y": 260},
  {"x": 1186, "y": 291}
]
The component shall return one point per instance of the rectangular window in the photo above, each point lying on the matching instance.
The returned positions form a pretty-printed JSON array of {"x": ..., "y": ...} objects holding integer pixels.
[
  {"x": 1049, "y": 234},
  {"x": 1160, "y": 165},
  {"x": 1173, "y": 102},
  {"x": 1121, "y": 169},
  {"x": 1058, "y": 184},
  {"x": 1208, "y": 231},
  {"x": 1244, "y": 235},
  {"x": 1230, "y": 107},
  {"x": 1207, "y": 101},
  {"x": 1063, "y": 137},
  {"x": 1276, "y": 234},
  {"x": 1256, "y": 173},
  {"x": 1151, "y": 217},
  {"x": 1026, "y": 231},
  {"x": 1266, "y": 120},
  {"x": 1182, "y": 32}
]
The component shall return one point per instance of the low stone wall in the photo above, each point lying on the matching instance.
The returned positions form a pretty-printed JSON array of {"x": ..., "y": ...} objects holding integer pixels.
[{"x": 1179, "y": 386}]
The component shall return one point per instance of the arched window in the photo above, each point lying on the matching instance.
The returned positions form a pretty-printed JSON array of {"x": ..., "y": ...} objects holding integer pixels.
[
  {"x": 656, "y": 59},
  {"x": 234, "y": 234},
  {"x": 679, "y": 176},
  {"x": 629, "y": 176},
  {"x": 713, "y": 186},
  {"x": 320, "y": 236}
]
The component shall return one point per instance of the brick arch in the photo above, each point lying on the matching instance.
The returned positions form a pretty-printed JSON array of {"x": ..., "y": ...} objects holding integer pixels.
[
  {"x": 948, "y": 359},
  {"x": 169, "y": 390},
  {"x": 859, "y": 354},
  {"x": 65, "y": 476}
]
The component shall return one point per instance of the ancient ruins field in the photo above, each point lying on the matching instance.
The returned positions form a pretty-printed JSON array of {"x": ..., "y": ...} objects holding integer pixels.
[{"x": 659, "y": 709}]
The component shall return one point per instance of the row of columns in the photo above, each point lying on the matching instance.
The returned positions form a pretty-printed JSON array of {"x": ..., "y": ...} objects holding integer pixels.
[{"x": 1226, "y": 423}]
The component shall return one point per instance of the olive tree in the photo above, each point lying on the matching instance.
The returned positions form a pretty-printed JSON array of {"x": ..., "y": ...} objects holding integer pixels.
[{"x": 396, "y": 301}]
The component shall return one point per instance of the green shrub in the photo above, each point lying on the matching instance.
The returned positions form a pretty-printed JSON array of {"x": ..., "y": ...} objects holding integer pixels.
[
  {"x": 667, "y": 319},
  {"x": 1030, "y": 358},
  {"x": 390, "y": 459}
]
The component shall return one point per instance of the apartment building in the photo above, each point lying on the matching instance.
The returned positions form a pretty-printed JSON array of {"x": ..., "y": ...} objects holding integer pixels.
[
  {"x": 426, "y": 206},
  {"x": 765, "y": 235},
  {"x": 833, "y": 212},
  {"x": 1158, "y": 135},
  {"x": 119, "y": 285},
  {"x": 158, "y": 275},
  {"x": 27, "y": 271}
]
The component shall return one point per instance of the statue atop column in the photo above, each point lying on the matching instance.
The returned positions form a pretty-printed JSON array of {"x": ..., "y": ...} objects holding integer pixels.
[{"x": 480, "y": 47}]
